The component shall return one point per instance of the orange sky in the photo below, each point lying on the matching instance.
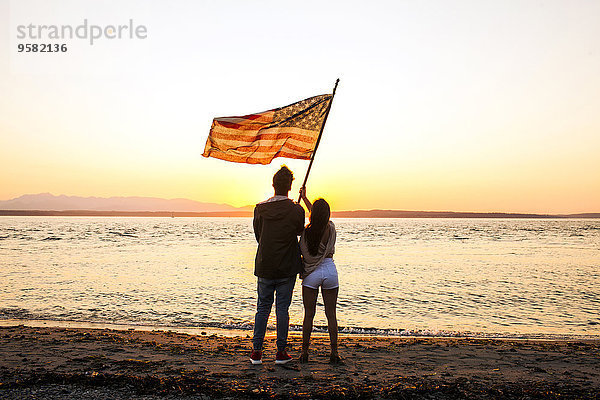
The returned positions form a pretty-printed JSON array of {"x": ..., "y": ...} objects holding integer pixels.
[{"x": 442, "y": 105}]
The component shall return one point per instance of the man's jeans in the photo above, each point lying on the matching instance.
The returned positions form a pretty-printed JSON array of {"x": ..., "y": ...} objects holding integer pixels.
[{"x": 266, "y": 288}]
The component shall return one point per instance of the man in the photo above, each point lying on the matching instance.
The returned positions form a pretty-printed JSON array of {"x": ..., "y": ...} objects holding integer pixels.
[{"x": 277, "y": 223}]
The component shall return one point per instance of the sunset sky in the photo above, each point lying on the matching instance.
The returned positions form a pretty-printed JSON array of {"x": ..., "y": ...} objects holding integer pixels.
[{"x": 442, "y": 105}]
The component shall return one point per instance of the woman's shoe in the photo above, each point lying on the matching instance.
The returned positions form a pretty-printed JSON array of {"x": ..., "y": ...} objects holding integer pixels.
[{"x": 335, "y": 359}]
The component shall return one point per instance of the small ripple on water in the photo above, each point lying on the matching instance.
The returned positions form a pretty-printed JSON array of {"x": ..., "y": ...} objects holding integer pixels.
[{"x": 125, "y": 234}]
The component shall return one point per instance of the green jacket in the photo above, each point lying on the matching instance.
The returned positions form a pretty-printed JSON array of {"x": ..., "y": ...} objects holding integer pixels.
[{"x": 277, "y": 224}]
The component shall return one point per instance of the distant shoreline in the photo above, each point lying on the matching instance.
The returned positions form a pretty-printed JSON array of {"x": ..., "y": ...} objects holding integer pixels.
[{"x": 338, "y": 214}]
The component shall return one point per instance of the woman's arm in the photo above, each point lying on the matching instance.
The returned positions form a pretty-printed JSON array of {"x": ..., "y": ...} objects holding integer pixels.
[{"x": 306, "y": 201}]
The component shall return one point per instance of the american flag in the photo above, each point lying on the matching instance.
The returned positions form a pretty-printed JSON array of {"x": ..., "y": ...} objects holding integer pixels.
[{"x": 289, "y": 131}]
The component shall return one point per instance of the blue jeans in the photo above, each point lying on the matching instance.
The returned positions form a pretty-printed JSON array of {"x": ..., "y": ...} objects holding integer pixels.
[{"x": 266, "y": 288}]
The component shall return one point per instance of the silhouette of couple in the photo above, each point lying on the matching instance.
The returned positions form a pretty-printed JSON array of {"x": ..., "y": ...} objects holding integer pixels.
[{"x": 278, "y": 222}]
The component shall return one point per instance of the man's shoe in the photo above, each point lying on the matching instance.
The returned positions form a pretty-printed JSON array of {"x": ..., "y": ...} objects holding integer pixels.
[
  {"x": 282, "y": 357},
  {"x": 256, "y": 357}
]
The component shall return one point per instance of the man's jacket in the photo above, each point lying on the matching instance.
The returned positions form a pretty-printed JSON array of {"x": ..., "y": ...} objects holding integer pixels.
[{"x": 277, "y": 224}]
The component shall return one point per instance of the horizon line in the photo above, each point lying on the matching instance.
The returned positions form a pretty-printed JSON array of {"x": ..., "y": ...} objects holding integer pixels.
[
  {"x": 373, "y": 213},
  {"x": 245, "y": 208}
]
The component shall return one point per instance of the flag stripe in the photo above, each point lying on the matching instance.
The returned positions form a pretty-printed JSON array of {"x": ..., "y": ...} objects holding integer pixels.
[
  {"x": 296, "y": 134},
  {"x": 267, "y": 147},
  {"x": 264, "y": 117},
  {"x": 256, "y": 121},
  {"x": 257, "y": 159},
  {"x": 226, "y": 145}
]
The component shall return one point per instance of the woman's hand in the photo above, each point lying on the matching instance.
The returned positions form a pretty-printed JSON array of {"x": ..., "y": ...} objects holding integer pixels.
[
  {"x": 303, "y": 196},
  {"x": 303, "y": 192}
]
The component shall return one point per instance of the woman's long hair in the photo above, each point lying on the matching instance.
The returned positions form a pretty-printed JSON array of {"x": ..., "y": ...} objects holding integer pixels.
[{"x": 319, "y": 217}]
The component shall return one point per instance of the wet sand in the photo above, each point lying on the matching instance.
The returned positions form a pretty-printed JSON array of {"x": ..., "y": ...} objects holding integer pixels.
[{"x": 101, "y": 363}]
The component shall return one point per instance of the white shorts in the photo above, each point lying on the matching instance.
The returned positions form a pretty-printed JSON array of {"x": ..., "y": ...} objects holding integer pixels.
[{"x": 325, "y": 276}]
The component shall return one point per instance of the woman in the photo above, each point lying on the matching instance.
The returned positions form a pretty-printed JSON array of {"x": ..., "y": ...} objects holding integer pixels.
[{"x": 317, "y": 245}]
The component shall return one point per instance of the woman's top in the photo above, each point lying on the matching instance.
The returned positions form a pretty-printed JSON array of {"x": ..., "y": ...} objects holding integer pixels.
[{"x": 326, "y": 250}]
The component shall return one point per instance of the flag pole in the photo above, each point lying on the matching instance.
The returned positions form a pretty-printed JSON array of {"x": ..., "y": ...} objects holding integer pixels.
[{"x": 318, "y": 139}]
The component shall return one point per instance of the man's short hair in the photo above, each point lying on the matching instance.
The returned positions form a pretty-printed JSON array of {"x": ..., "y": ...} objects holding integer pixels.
[{"x": 282, "y": 180}]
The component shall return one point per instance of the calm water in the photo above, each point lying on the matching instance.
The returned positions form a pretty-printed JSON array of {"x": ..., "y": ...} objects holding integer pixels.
[{"x": 423, "y": 276}]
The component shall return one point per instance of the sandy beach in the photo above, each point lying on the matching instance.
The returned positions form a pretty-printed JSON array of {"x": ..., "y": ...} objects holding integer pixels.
[{"x": 103, "y": 363}]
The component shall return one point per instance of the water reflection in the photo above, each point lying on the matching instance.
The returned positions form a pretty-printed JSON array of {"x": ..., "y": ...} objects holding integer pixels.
[{"x": 518, "y": 276}]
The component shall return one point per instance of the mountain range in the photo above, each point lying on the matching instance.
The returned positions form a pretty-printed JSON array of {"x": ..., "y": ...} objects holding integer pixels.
[
  {"x": 49, "y": 202},
  {"x": 46, "y": 204}
]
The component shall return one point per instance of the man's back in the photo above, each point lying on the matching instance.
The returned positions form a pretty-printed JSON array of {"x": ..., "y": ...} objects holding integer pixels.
[{"x": 277, "y": 223}]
